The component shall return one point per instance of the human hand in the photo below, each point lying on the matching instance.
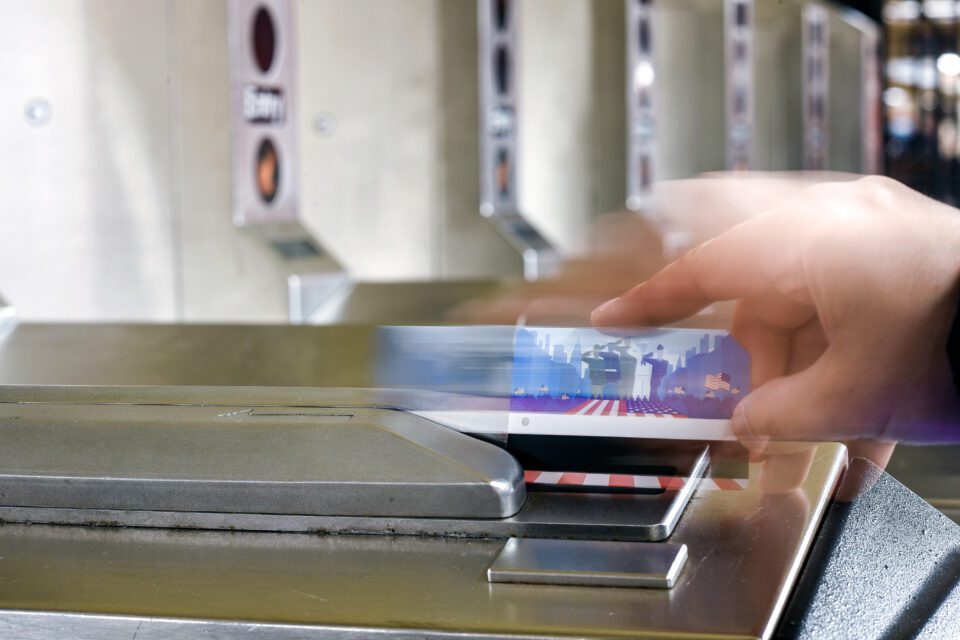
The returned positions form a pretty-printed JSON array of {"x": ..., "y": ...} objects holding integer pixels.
[{"x": 846, "y": 295}]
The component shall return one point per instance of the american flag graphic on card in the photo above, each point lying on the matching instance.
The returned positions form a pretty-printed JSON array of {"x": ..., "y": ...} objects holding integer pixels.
[
  {"x": 592, "y": 411},
  {"x": 661, "y": 383}
]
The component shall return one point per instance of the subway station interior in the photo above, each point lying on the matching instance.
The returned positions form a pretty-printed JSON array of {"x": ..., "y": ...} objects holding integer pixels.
[{"x": 305, "y": 332}]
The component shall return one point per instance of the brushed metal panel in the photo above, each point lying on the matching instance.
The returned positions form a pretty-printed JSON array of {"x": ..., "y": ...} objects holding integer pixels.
[
  {"x": 589, "y": 563},
  {"x": 745, "y": 550}
]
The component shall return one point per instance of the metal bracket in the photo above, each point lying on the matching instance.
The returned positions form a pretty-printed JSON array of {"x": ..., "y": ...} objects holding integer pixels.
[{"x": 498, "y": 39}]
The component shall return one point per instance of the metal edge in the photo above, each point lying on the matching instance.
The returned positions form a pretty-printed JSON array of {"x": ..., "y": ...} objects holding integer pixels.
[
  {"x": 677, "y": 567},
  {"x": 501, "y": 571},
  {"x": 663, "y": 530},
  {"x": 836, "y": 471},
  {"x": 314, "y": 397},
  {"x": 498, "y": 469},
  {"x": 358, "y": 525}
]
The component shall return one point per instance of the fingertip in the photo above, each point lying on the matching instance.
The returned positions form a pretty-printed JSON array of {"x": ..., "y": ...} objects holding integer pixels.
[
  {"x": 743, "y": 429},
  {"x": 601, "y": 315}
]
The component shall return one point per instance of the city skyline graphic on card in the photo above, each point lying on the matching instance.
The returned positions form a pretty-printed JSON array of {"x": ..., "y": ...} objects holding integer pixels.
[{"x": 681, "y": 373}]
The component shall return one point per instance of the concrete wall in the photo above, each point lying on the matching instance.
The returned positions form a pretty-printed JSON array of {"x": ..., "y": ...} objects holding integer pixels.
[{"x": 85, "y": 200}]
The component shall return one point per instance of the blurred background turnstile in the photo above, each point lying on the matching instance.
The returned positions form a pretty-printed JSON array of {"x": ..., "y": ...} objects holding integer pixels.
[{"x": 385, "y": 130}]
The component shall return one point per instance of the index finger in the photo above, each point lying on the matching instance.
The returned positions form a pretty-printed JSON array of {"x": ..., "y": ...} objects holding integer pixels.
[{"x": 743, "y": 262}]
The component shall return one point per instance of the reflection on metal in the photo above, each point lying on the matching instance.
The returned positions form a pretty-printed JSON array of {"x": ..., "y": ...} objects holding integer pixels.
[
  {"x": 641, "y": 82},
  {"x": 263, "y": 102},
  {"x": 279, "y": 461},
  {"x": 498, "y": 34},
  {"x": 589, "y": 563},
  {"x": 816, "y": 87},
  {"x": 738, "y": 79},
  {"x": 308, "y": 294}
]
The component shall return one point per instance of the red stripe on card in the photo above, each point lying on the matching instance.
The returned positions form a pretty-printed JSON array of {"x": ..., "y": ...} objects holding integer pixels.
[
  {"x": 622, "y": 411},
  {"x": 531, "y": 476},
  {"x": 658, "y": 415},
  {"x": 620, "y": 480},
  {"x": 572, "y": 478},
  {"x": 671, "y": 482},
  {"x": 579, "y": 407},
  {"x": 726, "y": 484},
  {"x": 613, "y": 406},
  {"x": 679, "y": 415}
]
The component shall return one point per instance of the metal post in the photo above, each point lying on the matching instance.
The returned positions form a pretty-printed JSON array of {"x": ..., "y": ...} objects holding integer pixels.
[
  {"x": 265, "y": 162},
  {"x": 641, "y": 123},
  {"x": 738, "y": 59},
  {"x": 498, "y": 38},
  {"x": 816, "y": 87}
]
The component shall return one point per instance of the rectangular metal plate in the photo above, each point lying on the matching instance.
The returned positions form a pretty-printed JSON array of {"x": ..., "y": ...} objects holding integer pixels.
[
  {"x": 589, "y": 563},
  {"x": 280, "y": 460}
]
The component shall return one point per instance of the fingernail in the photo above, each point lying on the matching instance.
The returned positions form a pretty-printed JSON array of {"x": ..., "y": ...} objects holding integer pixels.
[{"x": 604, "y": 308}]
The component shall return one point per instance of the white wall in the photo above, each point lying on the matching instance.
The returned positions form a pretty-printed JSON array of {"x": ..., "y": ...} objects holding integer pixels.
[{"x": 85, "y": 226}]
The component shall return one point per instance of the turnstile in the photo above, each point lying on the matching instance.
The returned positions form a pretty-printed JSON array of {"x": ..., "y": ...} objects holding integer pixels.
[{"x": 252, "y": 480}]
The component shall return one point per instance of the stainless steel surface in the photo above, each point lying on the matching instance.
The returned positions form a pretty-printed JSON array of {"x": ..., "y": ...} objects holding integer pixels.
[
  {"x": 199, "y": 355},
  {"x": 744, "y": 552},
  {"x": 155, "y": 457},
  {"x": 745, "y": 548},
  {"x": 588, "y": 563},
  {"x": 259, "y": 460}
]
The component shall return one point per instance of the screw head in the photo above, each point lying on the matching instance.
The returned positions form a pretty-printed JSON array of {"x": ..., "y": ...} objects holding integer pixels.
[{"x": 37, "y": 112}]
